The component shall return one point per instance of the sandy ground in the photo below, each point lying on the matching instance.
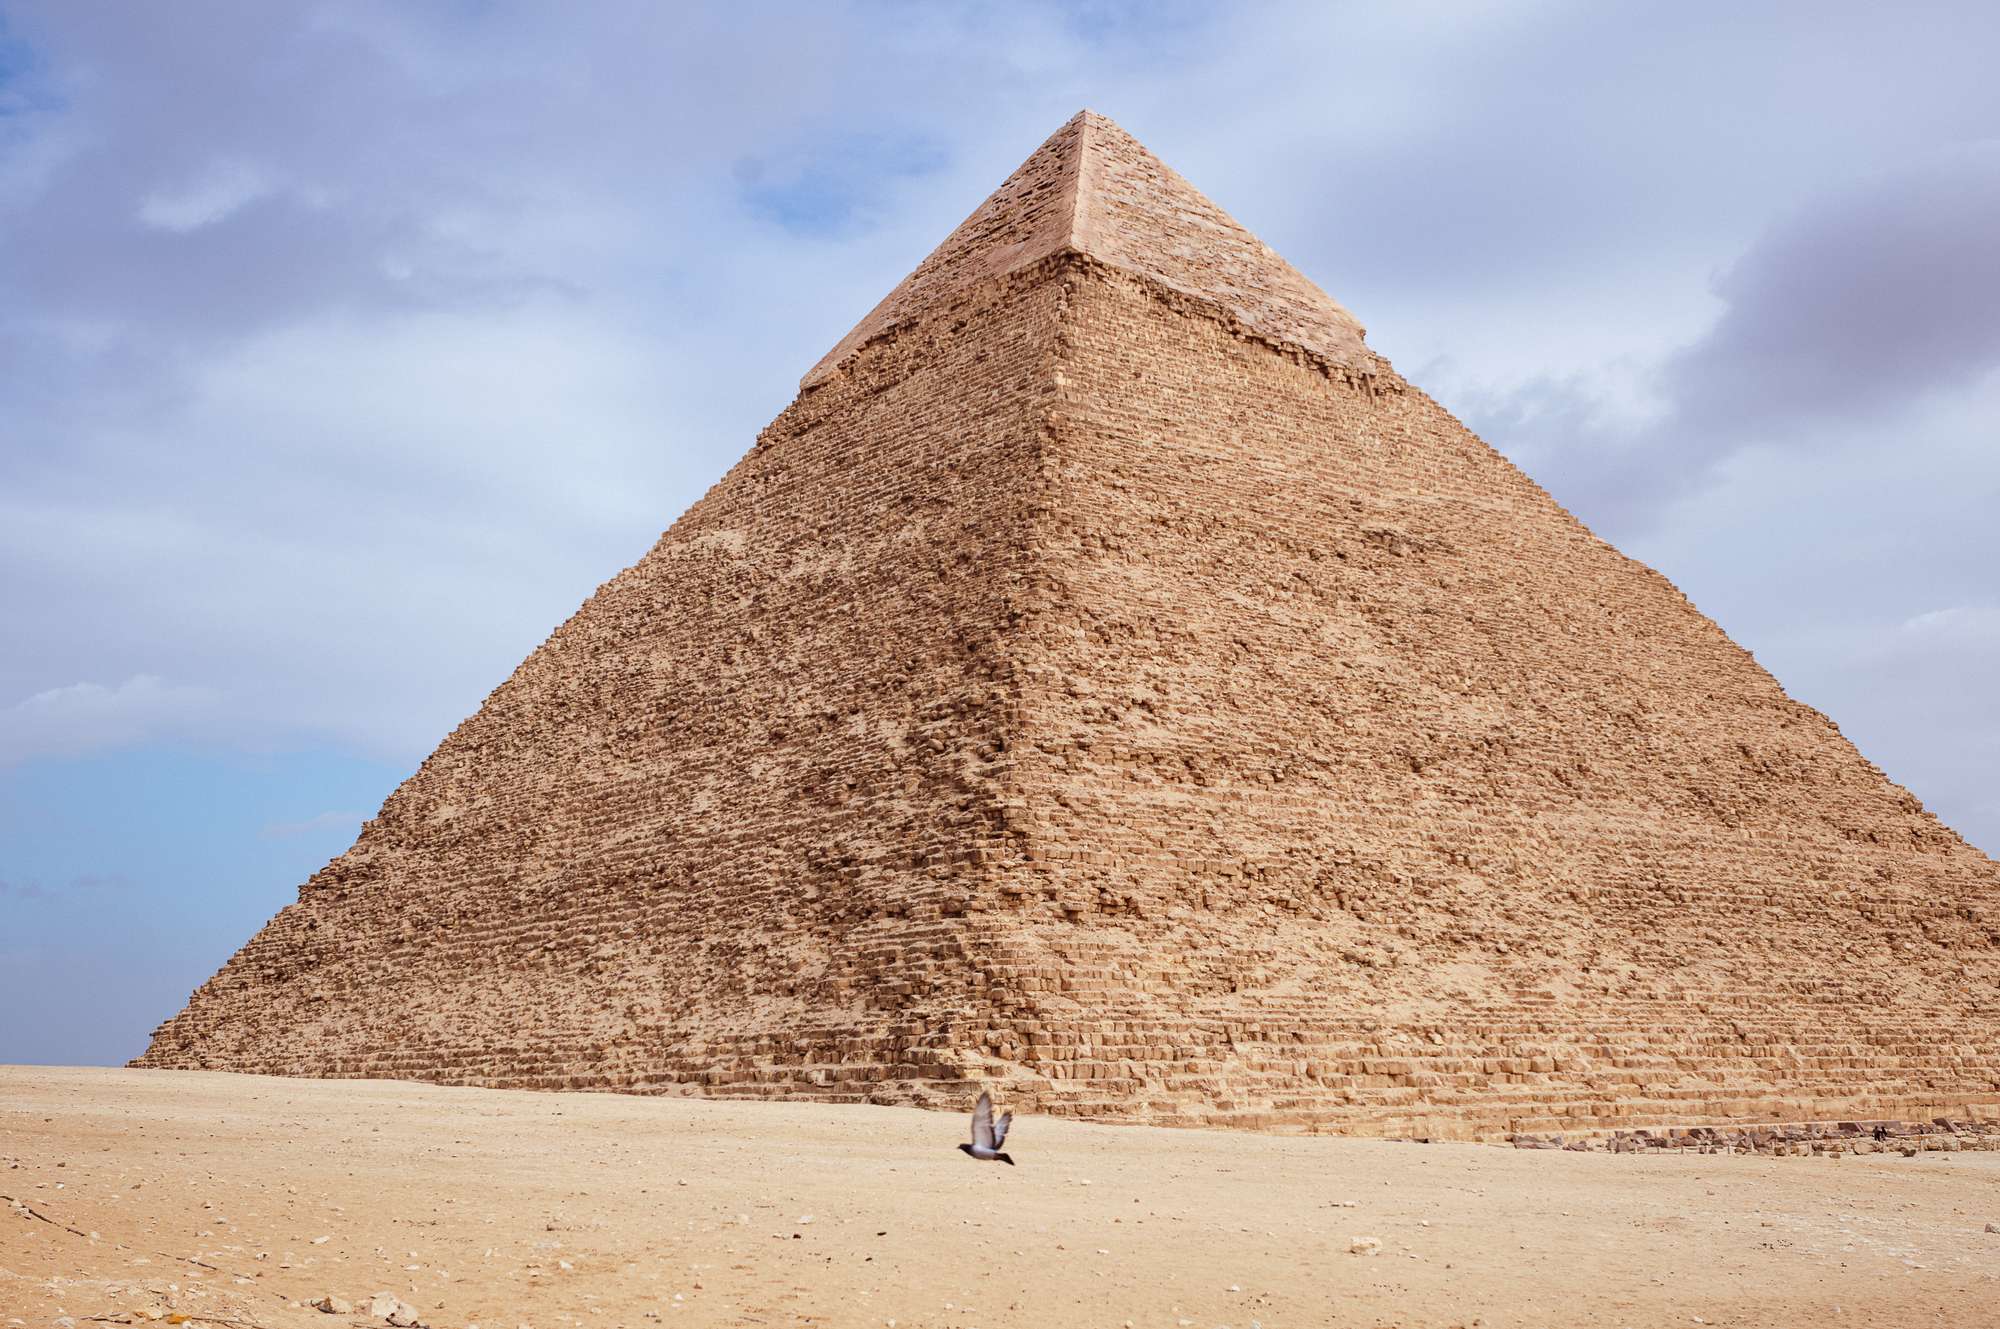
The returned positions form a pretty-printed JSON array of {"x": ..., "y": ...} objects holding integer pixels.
[{"x": 507, "y": 1209}]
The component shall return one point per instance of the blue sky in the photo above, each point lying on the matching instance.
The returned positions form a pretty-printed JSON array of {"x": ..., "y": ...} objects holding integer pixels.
[
  {"x": 346, "y": 348},
  {"x": 131, "y": 872}
]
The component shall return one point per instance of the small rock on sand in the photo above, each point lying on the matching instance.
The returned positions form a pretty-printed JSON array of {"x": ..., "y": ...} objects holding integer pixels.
[
  {"x": 1365, "y": 1246},
  {"x": 333, "y": 1305},
  {"x": 388, "y": 1306}
]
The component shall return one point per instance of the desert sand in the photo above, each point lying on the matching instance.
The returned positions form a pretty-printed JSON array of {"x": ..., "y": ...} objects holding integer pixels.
[{"x": 243, "y": 1199}]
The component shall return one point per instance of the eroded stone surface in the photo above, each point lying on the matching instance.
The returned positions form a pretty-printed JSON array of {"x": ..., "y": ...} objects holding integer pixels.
[{"x": 1094, "y": 682}]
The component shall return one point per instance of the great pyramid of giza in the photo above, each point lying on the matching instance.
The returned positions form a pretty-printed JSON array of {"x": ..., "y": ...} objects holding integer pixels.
[{"x": 1110, "y": 681}]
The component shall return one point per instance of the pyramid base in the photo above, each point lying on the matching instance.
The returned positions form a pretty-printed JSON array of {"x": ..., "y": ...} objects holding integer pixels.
[{"x": 1333, "y": 1079}]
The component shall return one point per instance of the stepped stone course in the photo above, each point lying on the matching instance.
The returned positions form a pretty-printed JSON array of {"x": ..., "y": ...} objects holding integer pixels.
[{"x": 1110, "y": 679}]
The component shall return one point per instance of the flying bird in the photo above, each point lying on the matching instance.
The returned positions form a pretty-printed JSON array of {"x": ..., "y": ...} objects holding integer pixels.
[{"x": 987, "y": 1137}]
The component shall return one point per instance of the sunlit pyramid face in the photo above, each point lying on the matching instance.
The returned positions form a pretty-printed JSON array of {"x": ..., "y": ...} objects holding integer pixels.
[{"x": 1111, "y": 679}]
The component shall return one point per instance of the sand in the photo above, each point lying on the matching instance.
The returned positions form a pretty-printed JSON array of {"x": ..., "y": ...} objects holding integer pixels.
[{"x": 503, "y": 1209}]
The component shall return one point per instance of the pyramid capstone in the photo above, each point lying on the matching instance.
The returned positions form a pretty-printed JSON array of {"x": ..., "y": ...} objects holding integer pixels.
[
  {"x": 1094, "y": 190},
  {"x": 1109, "y": 679}
]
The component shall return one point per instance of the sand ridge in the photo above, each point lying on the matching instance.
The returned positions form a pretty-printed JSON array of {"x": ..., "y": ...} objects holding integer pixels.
[{"x": 507, "y": 1208}]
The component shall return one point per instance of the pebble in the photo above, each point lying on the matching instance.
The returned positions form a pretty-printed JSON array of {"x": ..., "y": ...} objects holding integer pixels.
[
  {"x": 1993, "y": 1227},
  {"x": 333, "y": 1305},
  {"x": 1365, "y": 1246}
]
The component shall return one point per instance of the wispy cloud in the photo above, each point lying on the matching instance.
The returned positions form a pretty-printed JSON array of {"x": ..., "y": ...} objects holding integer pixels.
[
  {"x": 32, "y": 888},
  {"x": 325, "y": 821},
  {"x": 78, "y": 718},
  {"x": 206, "y": 199}
]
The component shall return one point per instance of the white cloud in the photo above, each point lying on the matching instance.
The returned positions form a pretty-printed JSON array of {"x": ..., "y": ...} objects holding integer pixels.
[
  {"x": 213, "y": 195},
  {"x": 83, "y": 717},
  {"x": 1977, "y": 625}
]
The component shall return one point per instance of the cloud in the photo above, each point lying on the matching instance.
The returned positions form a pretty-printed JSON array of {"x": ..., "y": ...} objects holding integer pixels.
[
  {"x": 83, "y": 717},
  {"x": 1972, "y": 625},
  {"x": 346, "y": 348},
  {"x": 220, "y": 190},
  {"x": 1860, "y": 302},
  {"x": 325, "y": 821},
  {"x": 31, "y": 888},
  {"x": 1837, "y": 319},
  {"x": 1918, "y": 698}
]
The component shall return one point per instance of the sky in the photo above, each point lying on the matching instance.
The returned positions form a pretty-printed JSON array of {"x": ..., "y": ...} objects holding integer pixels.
[{"x": 346, "y": 348}]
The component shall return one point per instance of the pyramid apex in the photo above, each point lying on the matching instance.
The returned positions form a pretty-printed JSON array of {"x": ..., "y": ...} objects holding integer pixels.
[{"x": 1094, "y": 189}]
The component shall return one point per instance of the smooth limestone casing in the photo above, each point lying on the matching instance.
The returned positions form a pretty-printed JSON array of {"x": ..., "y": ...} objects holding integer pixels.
[{"x": 1108, "y": 684}]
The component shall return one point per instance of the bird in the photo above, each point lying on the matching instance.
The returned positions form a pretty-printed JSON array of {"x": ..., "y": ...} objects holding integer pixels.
[{"x": 987, "y": 1135}]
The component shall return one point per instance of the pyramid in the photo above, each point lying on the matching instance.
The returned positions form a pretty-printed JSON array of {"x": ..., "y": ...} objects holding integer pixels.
[{"x": 1110, "y": 681}]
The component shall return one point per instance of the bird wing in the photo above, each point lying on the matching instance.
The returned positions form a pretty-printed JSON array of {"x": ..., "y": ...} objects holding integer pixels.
[
  {"x": 982, "y": 1122},
  {"x": 1000, "y": 1128}
]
